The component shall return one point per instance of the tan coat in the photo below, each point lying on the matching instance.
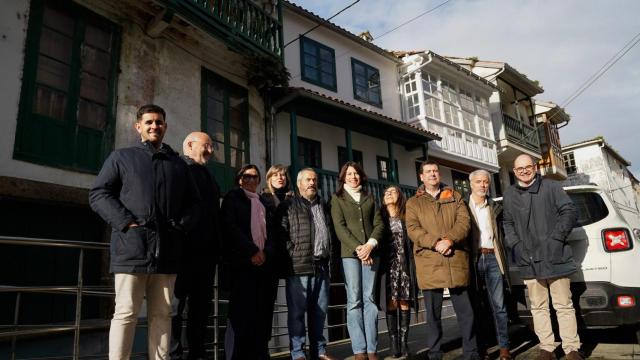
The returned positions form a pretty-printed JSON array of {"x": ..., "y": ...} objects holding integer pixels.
[
  {"x": 497, "y": 237},
  {"x": 429, "y": 220}
]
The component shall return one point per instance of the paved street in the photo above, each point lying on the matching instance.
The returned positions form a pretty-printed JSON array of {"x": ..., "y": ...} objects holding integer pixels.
[{"x": 597, "y": 344}]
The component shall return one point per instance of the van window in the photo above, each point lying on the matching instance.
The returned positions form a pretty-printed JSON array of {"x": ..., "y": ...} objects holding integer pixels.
[{"x": 590, "y": 206}]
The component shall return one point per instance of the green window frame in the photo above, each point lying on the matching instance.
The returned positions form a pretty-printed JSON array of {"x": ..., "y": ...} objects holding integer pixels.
[
  {"x": 342, "y": 156},
  {"x": 318, "y": 64},
  {"x": 225, "y": 117},
  {"x": 382, "y": 163},
  {"x": 366, "y": 83},
  {"x": 309, "y": 153},
  {"x": 67, "y": 106}
]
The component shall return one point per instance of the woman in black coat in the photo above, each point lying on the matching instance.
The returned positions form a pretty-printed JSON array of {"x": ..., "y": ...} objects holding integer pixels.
[
  {"x": 249, "y": 252},
  {"x": 397, "y": 271}
]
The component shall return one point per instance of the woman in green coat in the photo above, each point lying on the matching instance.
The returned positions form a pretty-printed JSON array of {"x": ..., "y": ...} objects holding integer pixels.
[{"x": 359, "y": 228}]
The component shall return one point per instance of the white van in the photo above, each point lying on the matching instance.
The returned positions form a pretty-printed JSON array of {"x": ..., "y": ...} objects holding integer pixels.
[{"x": 606, "y": 248}]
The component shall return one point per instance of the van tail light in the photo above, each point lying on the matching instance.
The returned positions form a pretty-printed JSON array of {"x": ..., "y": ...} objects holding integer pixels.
[
  {"x": 626, "y": 301},
  {"x": 616, "y": 239}
]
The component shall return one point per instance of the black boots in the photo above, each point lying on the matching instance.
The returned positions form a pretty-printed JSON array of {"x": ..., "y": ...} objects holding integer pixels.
[
  {"x": 405, "y": 319},
  {"x": 392, "y": 326}
]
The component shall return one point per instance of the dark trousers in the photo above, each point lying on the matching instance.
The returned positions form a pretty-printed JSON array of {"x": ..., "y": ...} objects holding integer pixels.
[
  {"x": 193, "y": 289},
  {"x": 253, "y": 294},
  {"x": 464, "y": 314}
]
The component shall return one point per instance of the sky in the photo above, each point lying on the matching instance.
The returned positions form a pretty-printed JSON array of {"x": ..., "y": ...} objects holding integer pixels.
[{"x": 560, "y": 43}]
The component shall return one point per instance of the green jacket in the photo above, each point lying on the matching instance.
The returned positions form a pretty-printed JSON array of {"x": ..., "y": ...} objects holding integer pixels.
[{"x": 356, "y": 223}]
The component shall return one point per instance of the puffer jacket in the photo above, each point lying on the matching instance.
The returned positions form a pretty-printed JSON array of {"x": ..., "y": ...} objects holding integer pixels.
[
  {"x": 154, "y": 189},
  {"x": 296, "y": 235},
  {"x": 430, "y": 219},
  {"x": 537, "y": 221}
]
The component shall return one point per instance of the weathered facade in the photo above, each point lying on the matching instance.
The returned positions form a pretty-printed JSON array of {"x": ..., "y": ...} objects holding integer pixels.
[{"x": 76, "y": 72}]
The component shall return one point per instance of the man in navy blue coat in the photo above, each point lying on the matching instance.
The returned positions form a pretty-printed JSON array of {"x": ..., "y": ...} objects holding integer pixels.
[
  {"x": 146, "y": 194},
  {"x": 538, "y": 218}
]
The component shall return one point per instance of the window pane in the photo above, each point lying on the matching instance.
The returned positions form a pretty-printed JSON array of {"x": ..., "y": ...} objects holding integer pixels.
[
  {"x": 327, "y": 79},
  {"x": 308, "y": 47},
  {"x": 94, "y": 88},
  {"x": 326, "y": 67},
  {"x": 58, "y": 20},
  {"x": 374, "y": 96},
  {"x": 98, "y": 38},
  {"x": 358, "y": 69},
  {"x": 92, "y": 115},
  {"x": 218, "y": 152},
  {"x": 215, "y": 92},
  {"x": 311, "y": 72},
  {"x": 53, "y": 73},
  {"x": 96, "y": 61},
  {"x": 326, "y": 55},
  {"x": 215, "y": 109},
  {"x": 236, "y": 138},
  {"x": 310, "y": 60},
  {"x": 215, "y": 129},
  {"x": 237, "y": 120},
  {"x": 49, "y": 102},
  {"x": 237, "y": 158},
  {"x": 56, "y": 45}
]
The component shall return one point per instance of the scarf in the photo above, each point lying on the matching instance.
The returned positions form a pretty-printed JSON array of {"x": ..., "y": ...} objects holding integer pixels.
[
  {"x": 354, "y": 192},
  {"x": 258, "y": 220}
]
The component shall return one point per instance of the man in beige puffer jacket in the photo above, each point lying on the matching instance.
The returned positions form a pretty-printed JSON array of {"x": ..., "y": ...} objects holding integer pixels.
[{"x": 438, "y": 223}]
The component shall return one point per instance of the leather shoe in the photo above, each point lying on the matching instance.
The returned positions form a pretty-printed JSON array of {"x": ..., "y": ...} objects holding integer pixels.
[
  {"x": 326, "y": 357},
  {"x": 574, "y": 355},
  {"x": 372, "y": 356},
  {"x": 361, "y": 356}
]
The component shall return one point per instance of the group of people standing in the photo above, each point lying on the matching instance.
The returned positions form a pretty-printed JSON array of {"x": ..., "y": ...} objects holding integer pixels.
[{"x": 169, "y": 233}]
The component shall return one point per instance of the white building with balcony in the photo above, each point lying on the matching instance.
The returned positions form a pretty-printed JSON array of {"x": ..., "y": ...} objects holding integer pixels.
[
  {"x": 453, "y": 102},
  {"x": 512, "y": 113}
]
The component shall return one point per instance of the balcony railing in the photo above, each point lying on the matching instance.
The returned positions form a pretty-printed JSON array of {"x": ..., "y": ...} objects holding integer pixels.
[
  {"x": 236, "y": 21},
  {"x": 328, "y": 184},
  {"x": 521, "y": 133},
  {"x": 468, "y": 146}
]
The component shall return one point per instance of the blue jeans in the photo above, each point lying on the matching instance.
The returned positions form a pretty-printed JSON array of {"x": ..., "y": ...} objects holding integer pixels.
[
  {"x": 489, "y": 274},
  {"x": 362, "y": 311},
  {"x": 308, "y": 294}
]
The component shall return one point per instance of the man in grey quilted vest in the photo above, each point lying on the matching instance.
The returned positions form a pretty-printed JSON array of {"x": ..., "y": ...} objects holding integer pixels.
[{"x": 304, "y": 234}]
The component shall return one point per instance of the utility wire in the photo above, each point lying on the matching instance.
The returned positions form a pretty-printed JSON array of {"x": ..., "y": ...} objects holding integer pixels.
[
  {"x": 590, "y": 81},
  {"x": 320, "y": 24},
  {"x": 598, "y": 74},
  {"x": 404, "y": 23}
]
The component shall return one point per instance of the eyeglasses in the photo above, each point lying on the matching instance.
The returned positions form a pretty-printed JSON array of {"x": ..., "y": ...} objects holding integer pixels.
[
  {"x": 249, "y": 177},
  {"x": 207, "y": 145},
  {"x": 524, "y": 168}
]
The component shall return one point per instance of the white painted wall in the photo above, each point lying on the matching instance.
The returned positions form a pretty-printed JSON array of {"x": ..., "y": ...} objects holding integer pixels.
[
  {"x": 152, "y": 70},
  {"x": 345, "y": 49},
  {"x": 331, "y": 137}
]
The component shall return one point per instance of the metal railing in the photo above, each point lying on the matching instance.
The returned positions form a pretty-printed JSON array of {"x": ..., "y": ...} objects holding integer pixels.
[
  {"x": 261, "y": 28},
  {"x": 15, "y": 330},
  {"x": 521, "y": 133}
]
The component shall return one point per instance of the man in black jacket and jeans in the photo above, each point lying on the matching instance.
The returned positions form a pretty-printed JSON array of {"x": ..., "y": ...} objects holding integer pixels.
[
  {"x": 538, "y": 217},
  {"x": 146, "y": 194},
  {"x": 194, "y": 284},
  {"x": 304, "y": 229}
]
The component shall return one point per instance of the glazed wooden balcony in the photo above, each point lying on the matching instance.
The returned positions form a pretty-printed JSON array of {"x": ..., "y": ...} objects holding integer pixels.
[
  {"x": 239, "y": 23},
  {"x": 521, "y": 133}
]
